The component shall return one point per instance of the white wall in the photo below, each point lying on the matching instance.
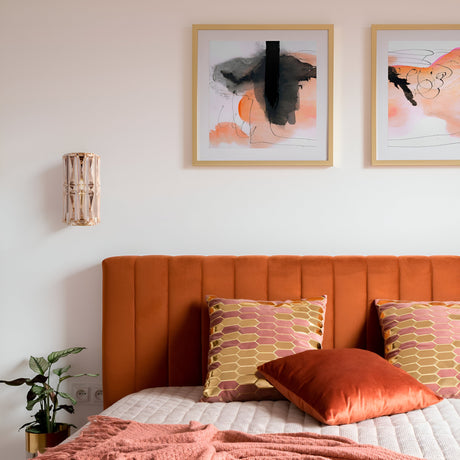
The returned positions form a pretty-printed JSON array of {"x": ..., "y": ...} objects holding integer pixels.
[{"x": 114, "y": 77}]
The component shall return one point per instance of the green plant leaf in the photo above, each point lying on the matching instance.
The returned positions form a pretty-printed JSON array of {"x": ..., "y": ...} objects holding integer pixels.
[
  {"x": 34, "y": 428},
  {"x": 76, "y": 375},
  {"x": 67, "y": 396},
  {"x": 37, "y": 379},
  {"x": 61, "y": 370},
  {"x": 15, "y": 382},
  {"x": 31, "y": 404},
  {"x": 21, "y": 381},
  {"x": 67, "y": 407},
  {"x": 25, "y": 424},
  {"x": 38, "y": 365},
  {"x": 38, "y": 390},
  {"x": 56, "y": 355},
  {"x": 30, "y": 395}
]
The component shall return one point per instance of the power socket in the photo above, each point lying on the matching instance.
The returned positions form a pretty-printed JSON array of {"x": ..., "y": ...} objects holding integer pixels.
[
  {"x": 81, "y": 393},
  {"x": 85, "y": 393},
  {"x": 97, "y": 395}
]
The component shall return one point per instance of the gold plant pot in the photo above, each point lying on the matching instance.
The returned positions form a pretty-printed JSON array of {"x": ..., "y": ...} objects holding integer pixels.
[{"x": 38, "y": 442}]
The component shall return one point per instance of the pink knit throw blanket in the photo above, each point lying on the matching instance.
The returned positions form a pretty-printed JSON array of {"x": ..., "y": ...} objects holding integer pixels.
[{"x": 108, "y": 438}]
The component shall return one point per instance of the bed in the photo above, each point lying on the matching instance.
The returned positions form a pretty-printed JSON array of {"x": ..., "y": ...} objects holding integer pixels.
[{"x": 156, "y": 340}]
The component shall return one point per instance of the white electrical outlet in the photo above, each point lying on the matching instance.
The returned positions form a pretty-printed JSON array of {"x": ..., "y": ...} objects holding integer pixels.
[
  {"x": 85, "y": 393},
  {"x": 97, "y": 395},
  {"x": 81, "y": 393}
]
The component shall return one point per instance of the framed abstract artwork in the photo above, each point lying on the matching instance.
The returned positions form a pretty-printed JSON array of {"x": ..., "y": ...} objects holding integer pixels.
[
  {"x": 262, "y": 94},
  {"x": 416, "y": 94}
]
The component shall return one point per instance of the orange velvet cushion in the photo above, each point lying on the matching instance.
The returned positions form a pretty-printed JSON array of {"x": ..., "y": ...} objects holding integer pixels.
[{"x": 346, "y": 385}]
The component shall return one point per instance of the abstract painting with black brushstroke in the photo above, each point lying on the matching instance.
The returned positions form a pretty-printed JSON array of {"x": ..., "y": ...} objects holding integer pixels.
[
  {"x": 416, "y": 91},
  {"x": 423, "y": 94},
  {"x": 262, "y": 94}
]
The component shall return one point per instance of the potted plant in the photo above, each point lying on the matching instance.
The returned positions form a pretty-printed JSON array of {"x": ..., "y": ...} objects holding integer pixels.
[{"x": 44, "y": 393}]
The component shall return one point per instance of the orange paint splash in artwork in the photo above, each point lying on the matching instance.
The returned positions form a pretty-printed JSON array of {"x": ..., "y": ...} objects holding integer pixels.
[
  {"x": 445, "y": 104},
  {"x": 436, "y": 90},
  {"x": 227, "y": 133},
  {"x": 402, "y": 116},
  {"x": 245, "y": 105},
  {"x": 304, "y": 57},
  {"x": 253, "y": 114}
]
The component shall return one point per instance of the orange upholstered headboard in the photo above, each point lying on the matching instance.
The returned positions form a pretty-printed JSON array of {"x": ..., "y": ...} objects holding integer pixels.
[{"x": 155, "y": 317}]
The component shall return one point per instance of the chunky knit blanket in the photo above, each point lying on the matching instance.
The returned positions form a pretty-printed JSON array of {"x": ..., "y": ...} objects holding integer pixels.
[{"x": 108, "y": 438}]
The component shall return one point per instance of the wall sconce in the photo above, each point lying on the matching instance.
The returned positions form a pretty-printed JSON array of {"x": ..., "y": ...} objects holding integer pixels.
[{"x": 81, "y": 189}]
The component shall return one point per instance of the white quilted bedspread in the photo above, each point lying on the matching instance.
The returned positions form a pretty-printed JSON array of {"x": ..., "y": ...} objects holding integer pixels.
[{"x": 432, "y": 433}]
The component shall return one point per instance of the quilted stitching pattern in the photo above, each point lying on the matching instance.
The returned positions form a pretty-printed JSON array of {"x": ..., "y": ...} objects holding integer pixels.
[{"x": 432, "y": 433}]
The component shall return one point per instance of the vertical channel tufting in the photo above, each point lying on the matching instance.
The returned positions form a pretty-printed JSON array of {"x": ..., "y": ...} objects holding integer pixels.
[
  {"x": 415, "y": 278},
  {"x": 350, "y": 286},
  {"x": 284, "y": 278},
  {"x": 317, "y": 274},
  {"x": 218, "y": 280},
  {"x": 118, "y": 328},
  {"x": 219, "y": 276},
  {"x": 185, "y": 300},
  {"x": 151, "y": 285},
  {"x": 382, "y": 283},
  {"x": 157, "y": 302},
  {"x": 251, "y": 277},
  {"x": 446, "y": 277}
]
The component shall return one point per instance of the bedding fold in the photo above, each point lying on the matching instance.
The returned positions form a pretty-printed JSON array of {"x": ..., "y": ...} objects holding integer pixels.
[{"x": 109, "y": 438}]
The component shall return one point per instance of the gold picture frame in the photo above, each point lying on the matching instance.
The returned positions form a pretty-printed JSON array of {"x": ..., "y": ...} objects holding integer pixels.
[
  {"x": 415, "y": 76},
  {"x": 262, "y": 95}
]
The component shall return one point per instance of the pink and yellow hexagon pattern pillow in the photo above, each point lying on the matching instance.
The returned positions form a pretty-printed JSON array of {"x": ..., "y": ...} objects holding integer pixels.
[
  {"x": 246, "y": 333},
  {"x": 423, "y": 338}
]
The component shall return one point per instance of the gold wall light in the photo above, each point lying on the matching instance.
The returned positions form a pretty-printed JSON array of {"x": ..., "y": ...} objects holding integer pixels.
[{"x": 81, "y": 188}]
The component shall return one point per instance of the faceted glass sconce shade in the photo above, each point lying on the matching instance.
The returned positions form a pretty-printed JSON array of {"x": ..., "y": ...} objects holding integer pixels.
[{"x": 81, "y": 188}]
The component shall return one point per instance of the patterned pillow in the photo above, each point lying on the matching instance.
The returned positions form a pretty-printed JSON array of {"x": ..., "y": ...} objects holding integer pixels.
[
  {"x": 423, "y": 338},
  {"x": 246, "y": 333}
]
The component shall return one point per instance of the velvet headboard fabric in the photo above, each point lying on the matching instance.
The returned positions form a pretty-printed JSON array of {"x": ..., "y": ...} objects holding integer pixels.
[{"x": 155, "y": 319}]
